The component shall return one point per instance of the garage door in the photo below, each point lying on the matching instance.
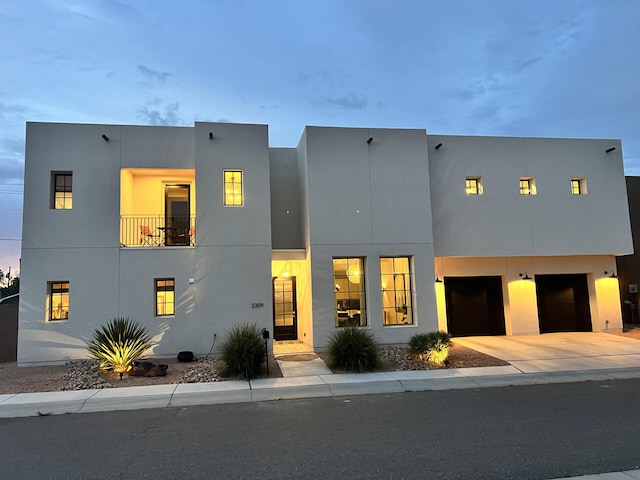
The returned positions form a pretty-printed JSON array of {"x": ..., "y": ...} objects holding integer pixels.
[
  {"x": 563, "y": 303},
  {"x": 474, "y": 306}
]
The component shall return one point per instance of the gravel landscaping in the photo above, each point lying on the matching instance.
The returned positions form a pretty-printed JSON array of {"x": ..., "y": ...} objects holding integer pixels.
[{"x": 85, "y": 374}]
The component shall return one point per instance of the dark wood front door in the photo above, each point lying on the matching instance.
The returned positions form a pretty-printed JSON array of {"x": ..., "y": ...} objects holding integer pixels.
[
  {"x": 474, "y": 306},
  {"x": 563, "y": 303},
  {"x": 285, "y": 323}
]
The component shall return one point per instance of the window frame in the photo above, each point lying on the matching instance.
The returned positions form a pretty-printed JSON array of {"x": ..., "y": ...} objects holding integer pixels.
[
  {"x": 232, "y": 184},
  {"x": 580, "y": 183},
  {"x": 158, "y": 291},
  {"x": 342, "y": 298},
  {"x": 474, "y": 188},
  {"x": 65, "y": 190},
  {"x": 406, "y": 293},
  {"x": 530, "y": 188},
  {"x": 55, "y": 289}
]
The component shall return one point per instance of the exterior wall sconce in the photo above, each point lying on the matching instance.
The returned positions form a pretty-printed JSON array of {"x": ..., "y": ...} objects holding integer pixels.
[
  {"x": 438, "y": 146},
  {"x": 369, "y": 140},
  {"x": 105, "y": 138},
  {"x": 438, "y": 279},
  {"x": 611, "y": 274},
  {"x": 525, "y": 276},
  {"x": 610, "y": 149},
  {"x": 337, "y": 287},
  {"x": 210, "y": 135}
]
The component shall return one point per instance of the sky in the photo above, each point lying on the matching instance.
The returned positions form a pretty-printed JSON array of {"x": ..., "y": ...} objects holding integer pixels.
[{"x": 547, "y": 68}]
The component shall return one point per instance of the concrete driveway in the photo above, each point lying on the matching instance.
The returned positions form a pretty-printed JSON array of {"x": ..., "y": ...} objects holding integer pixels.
[{"x": 560, "y": 352}]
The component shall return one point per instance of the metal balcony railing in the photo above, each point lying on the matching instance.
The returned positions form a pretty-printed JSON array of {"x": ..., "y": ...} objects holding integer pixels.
[{"x": 157, "y": 231}]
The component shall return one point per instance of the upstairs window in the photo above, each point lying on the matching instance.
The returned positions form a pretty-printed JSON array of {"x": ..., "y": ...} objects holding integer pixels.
[
  {"x": 578, "y": 186},
  {"x": 233, "y": 193},
  {"x": 58, "y": 304},
  {"x": 473, "y": 186},
  {"x": 528, "y": 186},
  {"x": 165, "y": 296},
  {"x": 61, "y": 191}
]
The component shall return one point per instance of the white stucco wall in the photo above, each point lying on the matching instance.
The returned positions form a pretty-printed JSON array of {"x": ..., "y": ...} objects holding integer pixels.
[
  {"x": 501, "y": 222},
  {"x": 368, "y": 200}
]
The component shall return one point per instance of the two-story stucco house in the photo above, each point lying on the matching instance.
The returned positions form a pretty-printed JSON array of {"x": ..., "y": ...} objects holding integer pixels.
[{"x": 191, "y": 230}]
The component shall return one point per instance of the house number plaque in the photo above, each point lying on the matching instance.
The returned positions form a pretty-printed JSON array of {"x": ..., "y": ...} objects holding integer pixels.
[{"x": 257, "y": 305}]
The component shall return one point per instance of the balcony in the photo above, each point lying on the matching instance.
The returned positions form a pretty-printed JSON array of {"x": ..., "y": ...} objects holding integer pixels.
[{"x": 157, "y": 231}]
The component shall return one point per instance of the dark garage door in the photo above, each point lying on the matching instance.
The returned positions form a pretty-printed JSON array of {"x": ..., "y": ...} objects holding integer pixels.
[
  {"x": 563, "y": 303},
  {"x": 474, "y": 306}
]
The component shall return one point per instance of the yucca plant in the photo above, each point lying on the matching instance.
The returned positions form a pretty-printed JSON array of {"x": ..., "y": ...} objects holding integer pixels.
[
  {"x": 354, "y": 350},
  {"x": 119, "y": 343},
  {"x": 243, "y": 351}
]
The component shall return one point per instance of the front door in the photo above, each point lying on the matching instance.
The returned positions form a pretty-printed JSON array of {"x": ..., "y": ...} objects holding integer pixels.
[{"x": 285, "y": 324}]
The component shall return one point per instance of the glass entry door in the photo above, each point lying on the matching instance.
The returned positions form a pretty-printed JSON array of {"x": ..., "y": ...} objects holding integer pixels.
[
  {"x": 177, "y": 215},
  {"x": 285, "y": 324}
]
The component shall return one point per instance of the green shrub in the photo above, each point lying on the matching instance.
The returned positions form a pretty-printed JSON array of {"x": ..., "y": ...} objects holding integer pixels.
[
  {"x": 119, "y": 343},
  {"x": 432, "y": 347},
  {"x": 243, "y": 351},
  {"x": 354, "y": 350}
]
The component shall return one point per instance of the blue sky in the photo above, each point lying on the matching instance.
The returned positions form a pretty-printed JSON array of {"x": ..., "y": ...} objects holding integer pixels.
[{"x": 567, "y": 68}]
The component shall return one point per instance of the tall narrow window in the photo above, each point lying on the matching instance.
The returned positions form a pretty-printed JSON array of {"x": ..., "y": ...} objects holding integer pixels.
[
  {"x": 527, "y": 186},
  {"x": 233, "y": 194},
  {"x": 578, "y": 186},
  {"x": 349, "y": 292},
  {"x": 165, "y": 296},
  {"x": 58, "y": 301},
  {"x": 62, "y": 195},
  {"x": 473, "y": 186},
  {"x": 395, "y": 282}
]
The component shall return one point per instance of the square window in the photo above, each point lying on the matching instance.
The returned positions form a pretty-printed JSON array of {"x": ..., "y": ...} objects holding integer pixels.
[
  {"x": 395, "y": 283},
  {"x": 233, "y": 188},
  {"x": 165, "y": 296},
  {"x": 349, "y": 292},
  {"x": 578, "y": 186},
  {"x": 58, "y": 301},
  {"x": 61, "y": 190},
  {"x": 473, "y": 186},
  {"x": 528, "y": 186}
]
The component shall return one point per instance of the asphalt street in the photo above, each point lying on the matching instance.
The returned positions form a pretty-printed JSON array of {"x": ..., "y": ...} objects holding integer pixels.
[{"x": 536, "y": 432}]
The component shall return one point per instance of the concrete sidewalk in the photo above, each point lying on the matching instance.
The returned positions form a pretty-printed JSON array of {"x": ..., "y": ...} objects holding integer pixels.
[{"x": 186, "y": 394}]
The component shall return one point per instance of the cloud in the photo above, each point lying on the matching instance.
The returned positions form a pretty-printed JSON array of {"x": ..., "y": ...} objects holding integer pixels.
[
  {"x": 155, "y": 77},
  {"x": 153, "y": 114},
  {"x": 12, "y": 110},
  {"x": 465, "y": 93},
  {"x": 350, "y": 101}
]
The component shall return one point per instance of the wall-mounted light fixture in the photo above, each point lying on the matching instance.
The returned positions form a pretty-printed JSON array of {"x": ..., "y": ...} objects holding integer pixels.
[
  {"x": 611, "y": 274},
  {"x": 105, "y": 138},
  {"x": 210, "y": 135},
  {"x": 337, "y": 288},
  {"x": 525, "y": 276},
  {"x": 369, "y": 140},
  {"x": 438, "y": 146},
  {"x": 438, "y": 279},
  {"x": 610, "y": 149}
]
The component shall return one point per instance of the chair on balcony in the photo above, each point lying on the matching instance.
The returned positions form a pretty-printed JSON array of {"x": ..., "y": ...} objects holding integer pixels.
[
  {"x": 147, "y": 237},
  {"x": 192, "y": 235},
  {"x": 188, "y": 238}
]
